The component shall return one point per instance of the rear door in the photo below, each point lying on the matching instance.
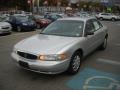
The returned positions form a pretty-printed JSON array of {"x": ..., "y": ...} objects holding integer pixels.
[
  {"x": 99, "y": 32},
  {"x": 95, "y": 40},
  {"x": 107, "y": 16}
]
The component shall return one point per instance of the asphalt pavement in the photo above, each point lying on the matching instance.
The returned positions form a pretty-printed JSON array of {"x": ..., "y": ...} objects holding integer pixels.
[{"x": 105, "y": 64}]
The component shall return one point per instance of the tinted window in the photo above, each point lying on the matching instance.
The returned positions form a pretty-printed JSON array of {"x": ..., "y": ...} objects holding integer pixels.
[
  {"x": 89, "y": 26},
  {"x": 107, "y": 14},
  {"x": 100, "y": 23},
  {"x": 12, "y": 19},
  {"x": 22, "y": 18},
  {"x": 2, "y": 19}
]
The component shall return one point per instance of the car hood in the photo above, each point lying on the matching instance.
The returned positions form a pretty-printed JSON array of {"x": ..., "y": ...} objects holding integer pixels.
[
  {"x": 44, "y": 44},
  {"x": 4, "y": 24}
]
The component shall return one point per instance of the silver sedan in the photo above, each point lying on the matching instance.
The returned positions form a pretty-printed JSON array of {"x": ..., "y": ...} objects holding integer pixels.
[
  {"x": 4, "y": 27},
  {"x": 61, "y": 46},
  {"x": 108, "y": 16}
]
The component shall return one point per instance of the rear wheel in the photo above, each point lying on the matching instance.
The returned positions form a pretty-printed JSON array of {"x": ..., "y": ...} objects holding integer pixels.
[
  {"x": 38, "y": 26},
  {"x": 101, "y": 18},
  {"x": 19, "y": 29},
  {"x": 104, "y": 44},
  {"x": 113, "y": 19},
  {"x": 75, "y": 63}
]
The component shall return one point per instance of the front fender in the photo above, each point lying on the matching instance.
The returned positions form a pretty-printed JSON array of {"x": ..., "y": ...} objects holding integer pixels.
[{"x": 72, "y": 48}]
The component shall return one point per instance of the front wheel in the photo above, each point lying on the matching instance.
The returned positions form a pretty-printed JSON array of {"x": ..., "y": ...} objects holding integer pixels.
[
  {"x": 101, "y": 18},
  {"x": 75, "y": 63},
  {"x": 19, "y": 29},
  {"x": 113, "y": 19},
  {"x": 38, "y": 26}
]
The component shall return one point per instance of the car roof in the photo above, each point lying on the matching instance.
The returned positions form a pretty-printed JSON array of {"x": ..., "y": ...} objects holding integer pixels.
[
  {"x": 84, "y": 19},
  {"x": 105, "y": 13}
]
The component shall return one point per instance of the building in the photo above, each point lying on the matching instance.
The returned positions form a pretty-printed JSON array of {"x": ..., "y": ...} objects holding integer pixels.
[
  {"x": 107, "y": 3},
  {"x": 117, "y": 2},
  {"x": 101, "y": 1}
]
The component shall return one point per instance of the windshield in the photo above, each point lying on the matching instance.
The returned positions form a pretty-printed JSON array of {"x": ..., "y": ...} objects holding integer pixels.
[
  {"x": 22, "y": 18},
  {"x": 38, "y": 17},
  {"x": 68, "y": 28},
  {"x": 2, "y": 19}
]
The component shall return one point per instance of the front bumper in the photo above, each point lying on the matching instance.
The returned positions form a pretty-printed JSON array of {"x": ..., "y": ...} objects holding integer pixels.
[
  {"x": 28, "y": 27},
  {"x": 42, "y": 25},
  {"x": 46, "y": 67},
  {"x": 4, "y": 31}
]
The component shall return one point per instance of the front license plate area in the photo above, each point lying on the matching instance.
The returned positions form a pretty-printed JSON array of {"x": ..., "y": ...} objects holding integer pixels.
[{"x": 23, "y": 64}]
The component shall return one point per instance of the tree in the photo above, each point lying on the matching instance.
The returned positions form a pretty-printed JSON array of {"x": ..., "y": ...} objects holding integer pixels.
[{"x": 21, "y": 4}]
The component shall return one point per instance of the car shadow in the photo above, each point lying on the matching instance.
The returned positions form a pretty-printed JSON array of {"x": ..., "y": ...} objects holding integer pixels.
[
  {"x": 5, "y": 34},
  {"x": 34, "y": 76}
]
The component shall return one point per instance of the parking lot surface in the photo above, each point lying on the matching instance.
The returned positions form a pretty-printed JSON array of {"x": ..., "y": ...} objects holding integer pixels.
[{"x": 100, "y": 66}]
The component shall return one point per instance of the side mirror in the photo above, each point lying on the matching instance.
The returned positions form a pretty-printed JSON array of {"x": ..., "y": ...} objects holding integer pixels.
[{"x": 89, "y": 33}]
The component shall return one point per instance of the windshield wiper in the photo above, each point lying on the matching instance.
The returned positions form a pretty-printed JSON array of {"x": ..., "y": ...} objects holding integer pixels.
[{"x": 50, "y": 34}]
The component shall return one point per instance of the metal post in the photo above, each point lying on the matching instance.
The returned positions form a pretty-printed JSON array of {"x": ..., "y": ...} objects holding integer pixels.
[
  {"x": 33, "y": 4},
  {"x": 38, "y": 1}
]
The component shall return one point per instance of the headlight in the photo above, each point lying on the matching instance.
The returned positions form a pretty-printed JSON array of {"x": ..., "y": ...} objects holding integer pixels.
[
  {"x": 53, "y": 57},
  {"x": 24, "y": 23}
]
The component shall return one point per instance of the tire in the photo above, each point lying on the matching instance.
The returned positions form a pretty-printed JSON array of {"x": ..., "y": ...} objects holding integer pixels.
[
  {"x": 101, "y": 18},
  {"x": 19, "y": 29},
  {"x": 113, "y": 19},
  {"x": 104, "y": 44},
  {"x": 38, "y": 26},
  {"x": 9, "y": 33},
  {"x": 75, "y": 63}
]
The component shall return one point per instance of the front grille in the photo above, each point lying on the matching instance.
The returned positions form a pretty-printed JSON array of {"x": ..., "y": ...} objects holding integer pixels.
[
  {"x": 26, "y": 55},
  {"x": 5, "y": 27},
  {"x": 23, "y": 64}
]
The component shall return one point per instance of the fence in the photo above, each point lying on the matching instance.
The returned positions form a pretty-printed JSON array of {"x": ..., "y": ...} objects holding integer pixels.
[{"x": 44, "y": 9}]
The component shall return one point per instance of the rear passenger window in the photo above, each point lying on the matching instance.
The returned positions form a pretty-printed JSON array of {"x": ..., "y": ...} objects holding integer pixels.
[
  {"x": 97, "y": 25},
  {"x": 100, "y": 24}
]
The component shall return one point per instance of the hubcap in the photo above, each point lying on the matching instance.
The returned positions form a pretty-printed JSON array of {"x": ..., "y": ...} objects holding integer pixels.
[
  {"x": 105, "y": 43},
  {"x": 76, "y": 63}
]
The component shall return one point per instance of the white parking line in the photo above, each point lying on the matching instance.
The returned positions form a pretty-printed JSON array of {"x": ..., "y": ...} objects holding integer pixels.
[
  {"x": 109, "y": 87},
  {"x": 109, "y": 61}
]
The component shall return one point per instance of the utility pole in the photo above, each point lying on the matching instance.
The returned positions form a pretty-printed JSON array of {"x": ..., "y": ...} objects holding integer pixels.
[
  {"x": 33, "y": 5},
  {"x": 30, "y": 5},
  {"x": 38, "y": 5}
]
